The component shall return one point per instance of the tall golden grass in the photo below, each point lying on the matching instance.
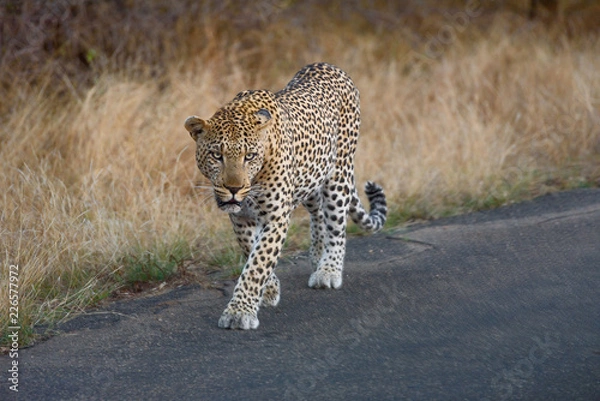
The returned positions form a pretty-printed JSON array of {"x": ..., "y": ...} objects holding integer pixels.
[{"x": 99, "y": 183}]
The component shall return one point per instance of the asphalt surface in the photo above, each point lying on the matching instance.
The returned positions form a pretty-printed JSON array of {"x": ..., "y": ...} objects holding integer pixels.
[{"x": 498, "y": 305}]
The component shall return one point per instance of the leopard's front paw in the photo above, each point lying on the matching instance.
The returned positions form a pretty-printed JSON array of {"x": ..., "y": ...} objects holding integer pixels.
[
  {"x": 325, "y": 278},
  {"x": 232, "y": 319},
  {"x": 271, "y": 293}
]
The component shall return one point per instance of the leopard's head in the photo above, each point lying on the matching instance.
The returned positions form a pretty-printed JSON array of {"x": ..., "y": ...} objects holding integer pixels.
[{"x": 231, "y": 146}]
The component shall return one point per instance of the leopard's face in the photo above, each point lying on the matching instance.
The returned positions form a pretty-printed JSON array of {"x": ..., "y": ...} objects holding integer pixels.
[{"x": 230, "y": 151}]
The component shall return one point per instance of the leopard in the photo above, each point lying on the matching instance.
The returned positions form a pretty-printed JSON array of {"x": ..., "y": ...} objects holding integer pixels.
[{"x": 265, "y": 153}]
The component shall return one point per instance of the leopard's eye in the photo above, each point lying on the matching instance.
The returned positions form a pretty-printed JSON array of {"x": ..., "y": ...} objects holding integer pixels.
[
  {"x": 216, "y": 155},
  {"x": 250, "y": 157}
]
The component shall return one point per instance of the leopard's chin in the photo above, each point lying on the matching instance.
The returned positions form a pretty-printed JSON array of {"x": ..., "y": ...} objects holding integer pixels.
[{"x": 231, "y": 209}]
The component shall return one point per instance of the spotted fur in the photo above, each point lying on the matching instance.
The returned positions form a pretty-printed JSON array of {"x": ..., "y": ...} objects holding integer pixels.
[{"x": 265, "y": 153}]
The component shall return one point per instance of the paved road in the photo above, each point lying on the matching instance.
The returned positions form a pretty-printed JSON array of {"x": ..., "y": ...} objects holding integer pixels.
[{"x": 499, "y": 305}]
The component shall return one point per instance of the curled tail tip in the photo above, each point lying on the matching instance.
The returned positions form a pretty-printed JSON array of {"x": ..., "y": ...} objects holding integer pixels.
[
  {"x": 372, "y": 187},
  {"x": 378, "y": 207},
  {"x": 376, "y": 195}
]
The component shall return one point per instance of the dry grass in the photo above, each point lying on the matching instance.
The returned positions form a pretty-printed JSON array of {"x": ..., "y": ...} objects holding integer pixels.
[{"x": 98, "y": 175}]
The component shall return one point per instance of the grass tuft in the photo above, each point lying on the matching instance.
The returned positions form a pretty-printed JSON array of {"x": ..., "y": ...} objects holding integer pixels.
[{"x": 152, "y": 265}]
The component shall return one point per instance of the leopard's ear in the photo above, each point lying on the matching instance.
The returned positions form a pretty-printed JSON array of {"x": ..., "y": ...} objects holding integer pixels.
[
  {"x": 195, "y": 126},
  {"x": 263, "y": 117}
]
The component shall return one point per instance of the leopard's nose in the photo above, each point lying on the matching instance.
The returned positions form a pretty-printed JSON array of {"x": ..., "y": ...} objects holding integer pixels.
[{"x": 233, "y": 190}]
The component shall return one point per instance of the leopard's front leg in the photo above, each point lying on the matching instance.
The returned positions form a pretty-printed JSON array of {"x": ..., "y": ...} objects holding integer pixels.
[{"x": 242, "y": 310}]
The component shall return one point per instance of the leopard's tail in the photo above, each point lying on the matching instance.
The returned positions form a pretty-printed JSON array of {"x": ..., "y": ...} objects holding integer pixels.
[{"x": 375, "y": 219}]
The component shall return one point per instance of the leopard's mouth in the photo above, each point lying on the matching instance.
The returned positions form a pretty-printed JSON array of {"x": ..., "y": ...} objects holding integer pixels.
[
  {"x": 230, "y": 206},
  {"x": 231, "y": 201}
]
